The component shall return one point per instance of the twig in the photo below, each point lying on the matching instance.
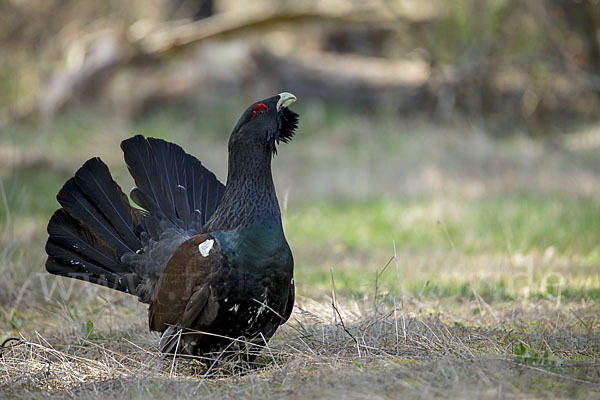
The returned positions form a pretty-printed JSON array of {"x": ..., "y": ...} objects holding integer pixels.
[
  {"x": 4, "y": 345},
  {"x": 401, "y": 295},
  {"x": 347, "y": 331},
  {"x": 269, "y": 350},
  {"x": 333, "y": 301},
  {"x": 175, "y": 354},
  {"x": 423, "y": 288},
  {"x": 580, "y": 320},
  {"x": 377, "y": 276},
  {"x": 396, "y": 326},
  {"x": 544, "y": 371},
  {"x": 215, "y": 361}
]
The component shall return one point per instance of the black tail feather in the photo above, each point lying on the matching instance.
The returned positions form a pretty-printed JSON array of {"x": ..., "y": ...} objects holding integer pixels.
[
  {"x": 72, "y": 264},
  {"x": 160, "y": 169},
  {"x": 95, "y": 181},
  {"x": 84, "y": 209},
  {"x": 93, "y": 230},
  {"x": 124, "y": 283},
  {"x": 182, "y": 206},
  {"x": 68, "y": 233},
  {"x": 148, "y": 204}
]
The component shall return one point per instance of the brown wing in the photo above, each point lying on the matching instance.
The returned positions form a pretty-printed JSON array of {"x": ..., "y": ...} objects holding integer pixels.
[{"x": 183, "y": 293}]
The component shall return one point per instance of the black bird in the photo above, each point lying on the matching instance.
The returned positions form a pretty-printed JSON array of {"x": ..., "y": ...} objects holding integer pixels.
[{"x": 211, "y": 260}]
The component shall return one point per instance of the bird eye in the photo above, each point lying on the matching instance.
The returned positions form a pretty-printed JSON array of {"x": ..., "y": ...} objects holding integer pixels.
[{"x": 258, "y": 109}]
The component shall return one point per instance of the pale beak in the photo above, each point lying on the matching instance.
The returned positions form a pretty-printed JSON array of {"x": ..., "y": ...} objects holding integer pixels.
[{"x": 285, "y": 100}]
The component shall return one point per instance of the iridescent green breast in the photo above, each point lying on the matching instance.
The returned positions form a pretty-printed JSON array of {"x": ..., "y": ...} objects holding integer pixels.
[{"x": 259, "y": 248}]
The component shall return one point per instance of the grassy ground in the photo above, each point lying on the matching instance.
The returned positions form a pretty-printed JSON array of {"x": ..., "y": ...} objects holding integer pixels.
[{"x": 494, "y": 291}]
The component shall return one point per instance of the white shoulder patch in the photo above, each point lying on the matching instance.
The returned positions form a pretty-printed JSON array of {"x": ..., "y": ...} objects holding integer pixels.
[{"x": 205, "y": 247}]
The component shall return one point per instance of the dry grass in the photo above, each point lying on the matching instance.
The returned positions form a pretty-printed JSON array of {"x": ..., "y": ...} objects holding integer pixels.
[{"x": 355, "y": 350}]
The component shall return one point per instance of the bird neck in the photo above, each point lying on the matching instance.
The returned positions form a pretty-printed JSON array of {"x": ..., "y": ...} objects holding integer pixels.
[{"x": 249, "y": 195}]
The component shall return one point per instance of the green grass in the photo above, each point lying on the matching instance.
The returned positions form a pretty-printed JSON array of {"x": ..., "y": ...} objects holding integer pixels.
[
  {"x": 455, "y": 246},
  {"x": 490, "y": 225}
]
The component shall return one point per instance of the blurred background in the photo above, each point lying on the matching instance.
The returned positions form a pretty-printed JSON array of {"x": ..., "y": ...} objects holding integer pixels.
[
  {"x": 514, "y": 64},
  {"x": 464, "y": 133}
]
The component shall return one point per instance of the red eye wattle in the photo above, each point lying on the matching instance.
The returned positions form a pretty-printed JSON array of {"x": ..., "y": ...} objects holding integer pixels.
[{"x": 257, "y": 109}]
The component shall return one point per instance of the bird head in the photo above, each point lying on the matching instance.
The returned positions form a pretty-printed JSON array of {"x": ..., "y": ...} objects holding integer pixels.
[{"x": 265, "y": 123}]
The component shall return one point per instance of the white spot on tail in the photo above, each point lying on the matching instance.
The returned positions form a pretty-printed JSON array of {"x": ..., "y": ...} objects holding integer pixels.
[{"x": 205, "y": 247}]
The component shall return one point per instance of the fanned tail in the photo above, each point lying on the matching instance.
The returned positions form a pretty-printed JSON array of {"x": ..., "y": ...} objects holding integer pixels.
[
  {"x": 94, "y": 228},
  {"x": 99, "y": 237}
]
